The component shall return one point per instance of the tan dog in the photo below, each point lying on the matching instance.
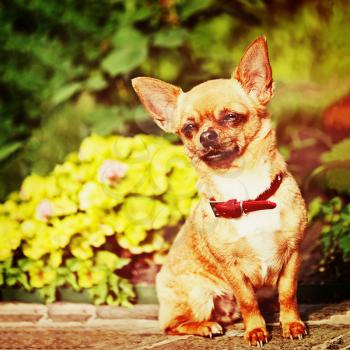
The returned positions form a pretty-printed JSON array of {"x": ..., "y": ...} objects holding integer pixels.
[{"x": 252, "y": 237}]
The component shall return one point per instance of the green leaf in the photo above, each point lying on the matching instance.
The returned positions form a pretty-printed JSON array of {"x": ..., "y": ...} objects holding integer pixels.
[
  {"x": 65, "y": 92},
  {"x": 168, "y": 68},
  {"x": 62, "y": 273},
  {"x": 124, "y": 60},
  {"x": 335, "y": 170},
  {"x": 130, "y": 51},
  {"x": 73, "y": 264},
  {"x": 110, "y": 260},
  {"x": 55, "y": 258},
  {"x": 141, "y": 14},
  {"x": 99, "y": 293},
  {"x": 326, "y": 229},
  {"x": 7, "y": 263},
  {"x": 8, "y": 149},
  {"x": 194, "y": 6},
  {"x": 344, "y": 244},
  {"x": 145, "y": 212},
  {"x": 27, "y": 264},
  {"x": 338, "y": 179},
  {"x": 126, "y": 303},
  {"x": 326, "y": 240},
  {"x": 48, "y": 293},
  {"x": 339, "y": 152},
  {"x": 336, "y": 203},
  {"x": 96, "y": 82},
  {"x": 23, "y": 280},
  {"x": 126, "y": 287},
  {"x": 170, "y": 37},
  {"x": 72, "y": 281},
  {"x": 128, "y": 36},
  {"x": 314, "y": 208},
  {"x": 111, "y": 300},
  {"x": 11, "y": 279},
  {"x": 80, "y": 248},
  {"x": 113, "y": 282},
  {"x": 345, "y": 217}
]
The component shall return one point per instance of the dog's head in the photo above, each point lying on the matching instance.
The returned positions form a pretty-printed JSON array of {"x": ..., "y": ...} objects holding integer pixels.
[{"x": 218, "y": 119}]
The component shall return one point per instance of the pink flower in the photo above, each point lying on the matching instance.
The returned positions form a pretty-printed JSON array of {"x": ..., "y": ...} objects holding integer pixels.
[
  {"x": 111, "y": 171},
  {"x": 44, "y": 210}
]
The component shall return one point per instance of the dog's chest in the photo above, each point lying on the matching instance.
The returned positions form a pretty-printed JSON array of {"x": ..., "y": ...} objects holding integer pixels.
[
  {"x": 258, "y": 228},
  {"x": 255, "y": 233},
  {"x": 241, "y": 186}
]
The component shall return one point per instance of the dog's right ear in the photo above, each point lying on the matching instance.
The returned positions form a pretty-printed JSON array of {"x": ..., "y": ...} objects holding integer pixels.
[{"x": 160, "y": 99}]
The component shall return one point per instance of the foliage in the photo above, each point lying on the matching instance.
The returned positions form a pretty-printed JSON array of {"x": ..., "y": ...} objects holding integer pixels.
[
  {"x": 53, "y": 53},
  {"x": 334, "y": 215},
  {"x": 46, "y": 275},
  {"x": 116, "y": 194},
  {"x": 334, "y": 171}
]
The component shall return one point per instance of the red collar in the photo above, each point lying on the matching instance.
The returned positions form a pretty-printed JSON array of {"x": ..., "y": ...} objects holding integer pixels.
[{"x": 233, "y": 208}]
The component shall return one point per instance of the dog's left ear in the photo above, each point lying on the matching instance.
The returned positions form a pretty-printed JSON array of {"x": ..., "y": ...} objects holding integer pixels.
[{"x": 254, "y": 71}]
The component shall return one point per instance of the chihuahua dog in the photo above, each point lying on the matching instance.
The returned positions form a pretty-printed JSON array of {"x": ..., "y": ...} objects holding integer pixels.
[{"x": 247, "y": 229}]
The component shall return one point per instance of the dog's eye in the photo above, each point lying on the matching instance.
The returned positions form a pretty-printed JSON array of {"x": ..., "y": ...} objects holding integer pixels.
[
  {"x": 233, "y": 118},
  {"x": 188, "y": 129}
]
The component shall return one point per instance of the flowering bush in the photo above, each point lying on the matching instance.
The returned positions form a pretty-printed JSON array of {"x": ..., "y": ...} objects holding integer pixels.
[{"x": 57, "y": 230}]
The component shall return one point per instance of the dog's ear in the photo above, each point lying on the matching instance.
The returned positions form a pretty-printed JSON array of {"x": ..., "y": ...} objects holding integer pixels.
[
  {"x": 160, "y": 99},
  {"x": 254, "y": 71}
]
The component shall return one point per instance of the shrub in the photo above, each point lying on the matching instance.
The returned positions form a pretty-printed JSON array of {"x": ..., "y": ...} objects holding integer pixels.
[
  {"x": 334, "y": 217},
  {"x": 67, "y": 228},
  {"x": 333, "y": 211},
  {"x": 334, "y": 170},
  {"x": 54, "y": 52}
]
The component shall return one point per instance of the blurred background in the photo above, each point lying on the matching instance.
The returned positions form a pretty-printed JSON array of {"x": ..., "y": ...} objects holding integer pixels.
[{"x": 65, "y": 71}]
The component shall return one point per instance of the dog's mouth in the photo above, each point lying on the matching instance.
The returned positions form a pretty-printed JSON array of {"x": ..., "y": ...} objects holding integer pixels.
[{"x": 220, "y": 157}]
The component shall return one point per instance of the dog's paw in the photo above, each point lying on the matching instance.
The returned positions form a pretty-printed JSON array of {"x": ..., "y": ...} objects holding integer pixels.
[
  {"x": 294, "y": 330},
  {"x": 257, "y": 337},
  {"x": 209, "y": 329},
  {"x": 204, "y": 329}
]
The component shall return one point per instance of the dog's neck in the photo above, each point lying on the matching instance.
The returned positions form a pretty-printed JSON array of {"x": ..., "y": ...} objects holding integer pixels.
[{"x": 256, "y": 169}]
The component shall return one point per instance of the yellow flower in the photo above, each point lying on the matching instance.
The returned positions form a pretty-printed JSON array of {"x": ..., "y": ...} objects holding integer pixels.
[
  {"x": 80, "y": 248},
  {"x": 93, "y": 147},
  {"x": 10, "y": 237},
  {"x": 41, "y": 276},
  {"x": 39, "y": 187},
  {"x": 92, "y": 195}
]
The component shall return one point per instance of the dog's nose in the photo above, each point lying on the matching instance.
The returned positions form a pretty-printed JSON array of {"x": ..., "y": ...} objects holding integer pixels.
[{"x": 209, "y": 138}]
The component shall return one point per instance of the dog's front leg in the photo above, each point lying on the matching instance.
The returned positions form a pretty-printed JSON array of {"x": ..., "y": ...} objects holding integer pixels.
[
  {"x": 292, "y": 326},
  {"x": 254, "y": 324}
]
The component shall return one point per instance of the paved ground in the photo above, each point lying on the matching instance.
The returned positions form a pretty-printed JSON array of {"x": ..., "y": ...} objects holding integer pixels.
[{"x": 80, "y": 326}]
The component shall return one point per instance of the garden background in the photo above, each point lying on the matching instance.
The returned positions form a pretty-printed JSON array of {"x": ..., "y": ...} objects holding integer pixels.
[{"x": 93, "y": 193}]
